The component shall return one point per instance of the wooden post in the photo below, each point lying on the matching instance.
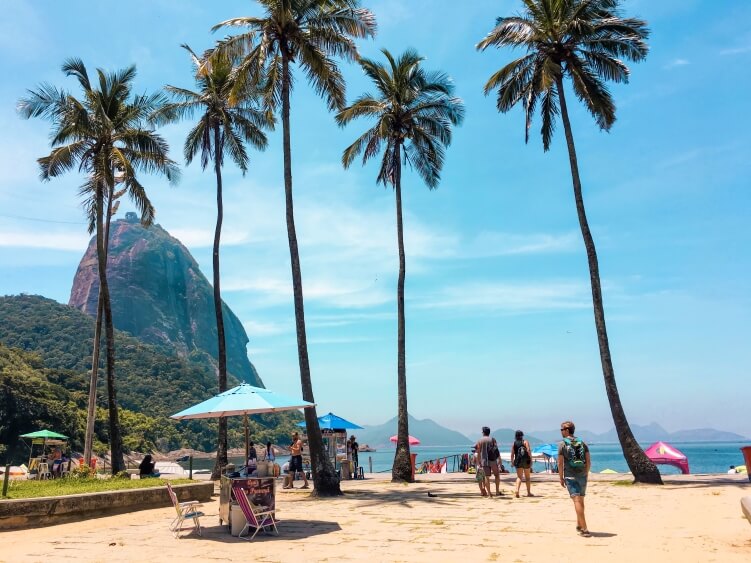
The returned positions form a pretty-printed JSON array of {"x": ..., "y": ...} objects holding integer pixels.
[
  {"x": 370, "y": 464},
  {"x": 6, "y": 478},
  {"x": 190, "y": 468}
]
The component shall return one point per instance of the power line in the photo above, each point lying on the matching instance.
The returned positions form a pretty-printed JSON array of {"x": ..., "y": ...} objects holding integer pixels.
[{"x": 42, "y": 220}]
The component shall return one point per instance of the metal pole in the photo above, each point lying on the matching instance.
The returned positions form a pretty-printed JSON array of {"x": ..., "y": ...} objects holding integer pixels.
[
  {"x": 190, "y": 467},
  {"x": 5, "y": 480},
  {"x": 247, "y": 439},
  {"x": 370, "y": 464}
]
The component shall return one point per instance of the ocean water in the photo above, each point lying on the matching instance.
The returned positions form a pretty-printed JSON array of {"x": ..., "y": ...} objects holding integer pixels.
[{"x": 703, "y": 457}]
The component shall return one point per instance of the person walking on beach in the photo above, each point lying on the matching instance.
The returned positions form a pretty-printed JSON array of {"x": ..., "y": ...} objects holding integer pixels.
[
  {"x": 521, "y": 458},
  {"x": 573, "y": 469},
  {"x": 295, "y": 462},
  {"x": 482, "y": 449}
]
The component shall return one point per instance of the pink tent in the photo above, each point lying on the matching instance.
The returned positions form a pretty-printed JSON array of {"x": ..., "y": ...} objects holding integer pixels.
[{"x": 660, "y": 452}]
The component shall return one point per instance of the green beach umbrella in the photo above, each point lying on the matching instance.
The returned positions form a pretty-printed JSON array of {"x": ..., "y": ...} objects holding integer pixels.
[
  {"x": 608, "y": 471},
  {"x": 46, "y": 434}
]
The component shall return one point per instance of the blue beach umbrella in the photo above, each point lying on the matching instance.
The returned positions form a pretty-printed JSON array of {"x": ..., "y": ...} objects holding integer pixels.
[
  {"x": 546, "y": 449},
  {"x": 332, "y": 422},
  {"x": 242, "y": 400}
]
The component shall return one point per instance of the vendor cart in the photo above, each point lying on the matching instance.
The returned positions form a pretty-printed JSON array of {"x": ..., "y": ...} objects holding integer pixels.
[{"x": 261, "y": 491}]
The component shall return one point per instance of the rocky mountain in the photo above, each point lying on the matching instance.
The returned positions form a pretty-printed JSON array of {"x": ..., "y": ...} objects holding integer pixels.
[
  {"x": 427, "y": 431},
  {"x": 160, "y": 296}
]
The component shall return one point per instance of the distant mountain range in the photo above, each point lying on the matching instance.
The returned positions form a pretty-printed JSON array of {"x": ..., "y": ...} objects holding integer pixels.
[
  {"x": 430, "y": 433},
  {"x": 651, "y": 433},
  {"x": 427, "y": 431}
]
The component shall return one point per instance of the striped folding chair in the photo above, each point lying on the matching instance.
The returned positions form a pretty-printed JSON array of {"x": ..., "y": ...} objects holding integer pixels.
[{"x": 256, "y": 517}]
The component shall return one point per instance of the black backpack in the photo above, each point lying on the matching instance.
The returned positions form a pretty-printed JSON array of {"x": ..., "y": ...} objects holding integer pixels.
[
  {"x": 522, "y": 454},
  {"x": 493, "y": 453}
]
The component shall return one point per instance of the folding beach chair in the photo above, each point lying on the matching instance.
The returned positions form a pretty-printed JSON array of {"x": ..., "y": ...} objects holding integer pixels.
[
  {"x": 257, "y": 517},
  {"x": 185, "y": 511}
]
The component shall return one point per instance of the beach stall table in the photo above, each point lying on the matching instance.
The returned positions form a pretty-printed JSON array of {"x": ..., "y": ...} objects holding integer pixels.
[
  {"x": 334, "y": 431},
  {"x": 40, "y": 465},
  {"x": 243, "y": 400}
]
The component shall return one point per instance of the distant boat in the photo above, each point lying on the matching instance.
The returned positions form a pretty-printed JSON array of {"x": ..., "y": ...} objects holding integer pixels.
[
  {"x": 169, "y": 468},
  {"x": 366, "y": 448},
  {"x": 183, "y": 458}
]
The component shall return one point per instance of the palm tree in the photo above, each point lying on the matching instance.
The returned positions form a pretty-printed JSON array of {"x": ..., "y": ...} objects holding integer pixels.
[
  {"x": 102, "y": 136},
  {"x": 583, "y": 40},
  {"x": 309, "y": 33},
  {"x": 414, "y": 112},
  {"x": 221, "y": 130}
]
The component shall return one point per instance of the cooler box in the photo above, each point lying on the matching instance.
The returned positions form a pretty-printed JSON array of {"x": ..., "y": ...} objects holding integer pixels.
[{"x": 237, "y": 519}]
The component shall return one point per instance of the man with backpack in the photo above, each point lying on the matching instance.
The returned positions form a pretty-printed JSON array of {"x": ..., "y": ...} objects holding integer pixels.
[
  {"x": 573, "y": 469},
  {"x": 483, "y": 451}
]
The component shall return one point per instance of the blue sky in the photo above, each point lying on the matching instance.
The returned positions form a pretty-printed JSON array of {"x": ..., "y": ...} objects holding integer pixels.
[{"x": 499, "y": 319}]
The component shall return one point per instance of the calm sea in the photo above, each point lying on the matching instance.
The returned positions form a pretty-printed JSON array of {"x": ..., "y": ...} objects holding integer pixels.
[{"x": 703, "y": 457}]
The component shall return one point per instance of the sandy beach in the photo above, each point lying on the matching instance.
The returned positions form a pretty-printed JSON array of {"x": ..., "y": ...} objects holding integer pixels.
[{"x": 691, "y": 518}]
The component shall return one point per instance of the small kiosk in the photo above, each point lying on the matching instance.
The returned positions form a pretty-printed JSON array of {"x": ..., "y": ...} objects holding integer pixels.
[
  {"x": 334, "y": 432},
  {"x": 244, "y": 400},
  {"x": 46, "y": 453},
  {"x": 261, "y": 491}
]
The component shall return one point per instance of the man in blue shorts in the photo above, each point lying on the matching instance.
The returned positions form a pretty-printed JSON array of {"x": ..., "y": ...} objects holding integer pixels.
[{"x": 573, "y": 469}]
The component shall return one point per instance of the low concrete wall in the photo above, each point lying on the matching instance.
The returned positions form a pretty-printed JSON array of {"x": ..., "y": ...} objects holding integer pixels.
[{"x": 47, "y": 511}]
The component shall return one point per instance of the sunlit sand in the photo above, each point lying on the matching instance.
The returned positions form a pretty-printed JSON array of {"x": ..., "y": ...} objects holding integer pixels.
[{"x": 691, "y": 518}]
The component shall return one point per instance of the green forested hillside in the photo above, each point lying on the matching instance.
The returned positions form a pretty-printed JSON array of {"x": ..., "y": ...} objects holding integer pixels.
[{"x": 45, "y": 365}]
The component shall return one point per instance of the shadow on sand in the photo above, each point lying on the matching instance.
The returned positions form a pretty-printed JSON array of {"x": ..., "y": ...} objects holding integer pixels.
[{"x": 289, "y": 529}]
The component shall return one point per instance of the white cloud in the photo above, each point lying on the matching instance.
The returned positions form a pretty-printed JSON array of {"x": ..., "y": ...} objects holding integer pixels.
[
  {"x": 257, "y": 328},
  {"x": 491, "y": 243},
  {"x": 676, "y": 63},
  {"x": 736, "y": 50},
  {"x": 512, "y": 298},
  {"x": 64, "y": 241}
]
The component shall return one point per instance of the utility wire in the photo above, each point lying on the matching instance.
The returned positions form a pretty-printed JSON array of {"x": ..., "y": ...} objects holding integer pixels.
[{"x": 42, "y": 220}]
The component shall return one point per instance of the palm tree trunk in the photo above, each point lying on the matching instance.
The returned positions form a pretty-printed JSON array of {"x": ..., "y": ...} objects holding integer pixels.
[
  {"x": 116, "y": 445},
  {"x": 402, "y": 469},
  {"x": 325, "y": 481},
  {"x": 91, "y": 411},
  {"x": 221, "y": 452},
  {"x": 641, "y": 467}
]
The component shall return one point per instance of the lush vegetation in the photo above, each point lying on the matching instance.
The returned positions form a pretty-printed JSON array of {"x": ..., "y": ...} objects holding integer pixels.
[
  {"x": 73, "y": 486},
  {"x": 45, "y": 354}
]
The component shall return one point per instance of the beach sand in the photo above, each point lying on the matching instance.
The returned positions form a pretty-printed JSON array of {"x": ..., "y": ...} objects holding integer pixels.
[{"x": 690, "y": 518}]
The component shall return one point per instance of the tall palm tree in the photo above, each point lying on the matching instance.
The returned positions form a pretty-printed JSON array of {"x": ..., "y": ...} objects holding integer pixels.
[
  {"x": 222, "y": 129},
  {"x": 414, "y": 112},
  {"x": 583, "y": 40},
  {"x": 102, "y": 135},
  {"x": 309, "y": 33}
]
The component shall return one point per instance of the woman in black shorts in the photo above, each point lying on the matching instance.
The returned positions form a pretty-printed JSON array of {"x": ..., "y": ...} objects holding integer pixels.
[{"x": 521, "y": 458}]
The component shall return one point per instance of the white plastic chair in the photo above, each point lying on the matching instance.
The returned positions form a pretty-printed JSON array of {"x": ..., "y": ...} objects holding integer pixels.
[{"x": 184, "y": 511}]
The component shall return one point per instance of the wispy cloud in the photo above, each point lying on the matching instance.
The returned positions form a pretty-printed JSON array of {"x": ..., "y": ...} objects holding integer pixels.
[
  {"x": 491, "y": 243},
  {"x": 511, "y": 298},
  {"x": 257, "y": 328},
  {"x": 736, "y": 50},
  {"x": 64, "y": 241},
  {"x": 676, "y": 63}
]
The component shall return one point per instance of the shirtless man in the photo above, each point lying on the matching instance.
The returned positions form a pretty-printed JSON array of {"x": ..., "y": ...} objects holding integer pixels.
[{"x": 295, "y": 463}]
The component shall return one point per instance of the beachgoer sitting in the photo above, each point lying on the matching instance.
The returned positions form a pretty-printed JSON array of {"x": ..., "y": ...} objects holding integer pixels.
[{"x": 146, "y": 468}]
